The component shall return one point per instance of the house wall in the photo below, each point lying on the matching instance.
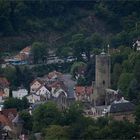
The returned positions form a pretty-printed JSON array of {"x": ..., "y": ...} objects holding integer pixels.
[
  {"x": 43, "y": 91},
  {"x": 6, "y": 91},
  {"x": 62, "y": 101},
  {"x": 20, "y": 93},
  {"x": 33, "y": 98},
  {"x": 1, "y": 99},
  {"x": 123, "y": 116}
]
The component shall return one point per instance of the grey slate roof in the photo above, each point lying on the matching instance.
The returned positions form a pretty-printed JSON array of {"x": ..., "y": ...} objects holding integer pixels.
[
  {"x": 122, "y": 107},
  {"x": 17, "y": 120}
]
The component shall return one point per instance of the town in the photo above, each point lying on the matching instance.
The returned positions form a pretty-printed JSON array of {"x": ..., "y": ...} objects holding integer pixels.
[{"x": 69, "y": 70}]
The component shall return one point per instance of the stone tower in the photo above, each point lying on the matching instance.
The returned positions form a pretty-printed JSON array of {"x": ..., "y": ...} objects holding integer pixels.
[{"x": 102, "y": 78}]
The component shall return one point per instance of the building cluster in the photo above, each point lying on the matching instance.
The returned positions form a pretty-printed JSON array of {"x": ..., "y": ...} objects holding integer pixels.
[
  {"x": 98, "y": 99},
  {"x": 4, "y": 89},
  {"x": 50, "y": 87},
  {"x": 106, "y": 101},
  {"x": 61, "y": 89},
  {"x": 10, "y": 124},
  {"x": 55, "y": 87},
  {"x": 23, "y": 57}
]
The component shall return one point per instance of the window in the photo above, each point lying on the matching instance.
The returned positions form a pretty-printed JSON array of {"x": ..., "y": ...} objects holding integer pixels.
[{"x": 103, "y": 82}]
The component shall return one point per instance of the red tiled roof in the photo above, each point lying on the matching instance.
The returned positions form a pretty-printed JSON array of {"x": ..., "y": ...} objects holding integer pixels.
[
  {"x": 4, "y": 120},
  {"x": 54, "y": 73},
  {"x": 7, "y": 115},
  {"x": 6, "y": 112},
  {"x": 4, "y": 82},
  {"x": 26, "y": 50},
  {"x": 57, "y": 84},
  {"x": 21, "y": 57},
  {"x": 23, "y": 54},
  {"x": 84, "y": 90},
  {"x": 1, "y": 93}
]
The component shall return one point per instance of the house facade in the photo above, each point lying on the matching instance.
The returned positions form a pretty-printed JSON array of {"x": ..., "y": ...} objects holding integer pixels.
[
  {"x": 43, "y": 91},
  {"x": 33, "y": 98},
  {"x": 20, "y": 93}
]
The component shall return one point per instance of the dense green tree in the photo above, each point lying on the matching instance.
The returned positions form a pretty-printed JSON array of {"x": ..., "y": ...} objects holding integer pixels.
[
  {"x": 64, "y": 51},
  {"x": 134, "y": 91},
  {"x": 90, "y": 72},
  {"x": 127, "y": 66},
  {"x": 39, "y": 52},
  {"x": 117, "y": 69},
  {"x": 77, "y": 43},
  {"x": 137, "y": 70},
  {"x": 124, "y": 81},
  {"x": 91, "y": 132},
  {"x": 19, "y": 77},
  {"x": 45, "y": 115},
  {"x": 137, "y": 115},
  {"x": 133, "y": 58},
  {"x": 81, "y": 81},
  {"x": 123, "y": 130},
  {"x": 16, "y": 103},
  {"x": 10, "y": 74},
  {"x": 27, "y": 118},
  {"x": 92, "y": 42},
  {"x": 73, "y": 113},
  {"x": 78, "y": 68},
  {"x": 27, "y": 77},
  {"x": 56, "y": 132}
]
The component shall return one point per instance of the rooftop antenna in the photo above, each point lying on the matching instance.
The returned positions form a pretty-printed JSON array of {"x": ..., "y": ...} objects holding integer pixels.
[{"x": 108, "y": 47}]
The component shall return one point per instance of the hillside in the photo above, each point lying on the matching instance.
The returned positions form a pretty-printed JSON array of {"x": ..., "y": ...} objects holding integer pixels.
[{"x": 24, "y": 22}]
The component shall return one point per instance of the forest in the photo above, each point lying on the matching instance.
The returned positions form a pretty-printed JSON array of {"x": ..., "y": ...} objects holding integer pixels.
[{"x": 55, "y": 22}]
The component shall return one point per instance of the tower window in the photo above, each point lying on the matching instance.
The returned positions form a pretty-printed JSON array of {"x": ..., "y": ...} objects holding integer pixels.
[{"x": 103, "y": 82}]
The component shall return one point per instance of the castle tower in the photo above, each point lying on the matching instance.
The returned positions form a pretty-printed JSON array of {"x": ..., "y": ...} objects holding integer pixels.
[{"x": 102, "y": 78}]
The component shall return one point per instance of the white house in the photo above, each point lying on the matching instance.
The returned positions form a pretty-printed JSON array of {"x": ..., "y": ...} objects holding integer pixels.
[
  {"x": 35, "y": 85},
  {"x": 136, "y": 45},
  {"x": 20, "y": 93},
  {"x": 6, "y": 91},
  {"x": 43, "y": 91},
  {"x": 33, "y": 98}
]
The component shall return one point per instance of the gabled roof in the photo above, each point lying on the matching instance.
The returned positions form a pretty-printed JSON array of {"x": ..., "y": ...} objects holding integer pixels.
[
  {"x": 54, "y": 74},
  {"x": 122, "y": 107},
  {"x": 41, "y": 87},
  {"x": 7, "y": 115},
  {"x": 81, "y": 90},
  {"x": 40, "y": 81},
  {"x": 3, "y": 82},
  {"x": 57, "y": 93},
  {"x": 26, "y": 50},
  {"x": 17, "y": 120},
  {"x": 57, "y": 84}
]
